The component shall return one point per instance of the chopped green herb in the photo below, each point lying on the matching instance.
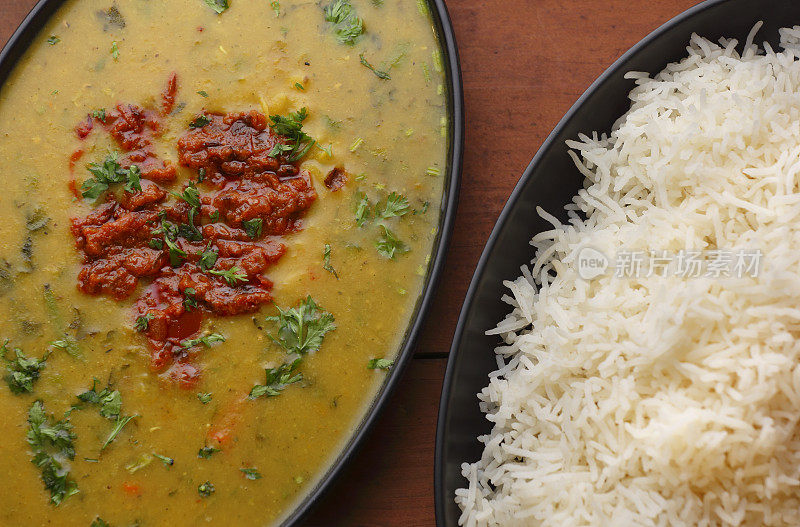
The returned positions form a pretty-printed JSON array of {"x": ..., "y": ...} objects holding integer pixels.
[
  {"x": 214, "y": 216},
  {"x": 118, "y": 426},
  {"x": 143, "y": 322},
  {"x": 299, "y": 86},
  {"x": 100, "y": 114},
  {"x": 326, "y": 258},
  {"x": 50, "y": 441},
  {"x": 301, "y": 329},
  {"x": 363, "y": 209},
  {"x": 190, "y": 195},
  {"x": 388, "y": 245},
  {"x": 115, "y": 50},
  {"x": 53, "y": 40},
  {"x": 251, "y": 473},
  {"x": 202, "y": 93},
  {"x": 378, "y": 73},
  {"x": 67, "y": 342},
  {"x": 277, "y": 379},
  {"x": 201, "y": 176},
  {"x": 433, "y": 172},
  {"x": 276, "y": 7},
  {"x": 205, "y": 398},
  {"x": 176, "y": 254},
  {"x": 206, "y": 489},
  {"x": 189, "y": 301},
  {"x": 206, "y": 341},
  {"x": 156, "y": 243},
  {"x": 291, "y": 127},
  {"x": 233, "y": 276},
  {"x": 346, "y": 24},
  {"x": 219, "y": 6},
  {"x": 108, "y": 173},
  {"x": 100, "y": 522},
  {"x": 208, "y": 258},
  {"x": 396, "y": 205},
  {"x": 422, "y": 7},
  {"x": 22, "y": 371},
  {"x": 206, "y": 452},
  {"x": 327, "y": 149},
  {"x": 380, "y": 364},
  {"x": 253, "y": 227},
  {"x": 168, "y": 461},
  {"x": 110, "y": 402},
  {"x": 200, "y": 121}
]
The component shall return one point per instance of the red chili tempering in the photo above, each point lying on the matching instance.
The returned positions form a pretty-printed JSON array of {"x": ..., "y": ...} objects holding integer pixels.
[{"x": 242, "y": 183}]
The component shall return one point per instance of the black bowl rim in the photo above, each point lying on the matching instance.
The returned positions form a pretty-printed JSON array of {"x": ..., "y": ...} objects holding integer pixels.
[
  {"x": 442, "y": 501},
  {"x": 38, "y": 17}
]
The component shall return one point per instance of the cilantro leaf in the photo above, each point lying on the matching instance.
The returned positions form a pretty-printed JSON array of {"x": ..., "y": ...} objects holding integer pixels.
[
  {"x": 346, "y": 24},
  {"x": 363, "y": 209},
  {"x": 50, "y": 441},
  {"x": 291, "y": 127},
  {"x": 208, "y": 258},
  {"x": 53, "y": 40},
  {"x": 206, "y": 489},
  {"x": 200, "y": 121},
  {"x": 219, "y": 6},
  {"x": 253, "y": 227},
  {"x": 118, "y": 426},
  {"x": 176, "y": 254},
  {"x": 110, "y": 402},
  {"x": 190, "y": 195},
  {"x": 277, "y": 379},
  {"x": 380, "y": 364},
  {"x": 23, "y": 372},
  {"x": 206, "y": 452},
  {"x": 205, "y": 398},
  {"x": 206, "y": 341},
  {"x": 143, "y": 322},
  {"x": 301, "y": 329},
  {"x": 168, "y": 461},
  {"x": 388, "y": 245},
  {"x": 381, "y": 74},
  {"x": 233, "y": 276},
  {"x": 251, "y": 473},
  {"x": 396, "y": 205},
  {"x": 326, "y": 258},
  {"x": 108, "y": 173}
]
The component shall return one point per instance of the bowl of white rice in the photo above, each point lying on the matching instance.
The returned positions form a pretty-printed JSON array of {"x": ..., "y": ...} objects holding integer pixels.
[{"x": 629, "y": 350}]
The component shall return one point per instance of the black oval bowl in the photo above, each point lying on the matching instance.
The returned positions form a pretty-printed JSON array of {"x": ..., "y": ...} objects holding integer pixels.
[
  {"x": 44, "y": 9},
  {"x": 549, "y": 182}
]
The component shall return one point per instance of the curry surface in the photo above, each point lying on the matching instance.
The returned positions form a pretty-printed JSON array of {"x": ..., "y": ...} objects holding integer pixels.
[{"x": 387, "y": 133}]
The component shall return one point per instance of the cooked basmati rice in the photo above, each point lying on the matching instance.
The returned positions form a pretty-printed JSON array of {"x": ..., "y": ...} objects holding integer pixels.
[{"x": 660, "y": 400}]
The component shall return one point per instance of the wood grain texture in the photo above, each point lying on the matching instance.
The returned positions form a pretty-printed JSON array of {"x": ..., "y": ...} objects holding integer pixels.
[{"x": 524, "y": 63}]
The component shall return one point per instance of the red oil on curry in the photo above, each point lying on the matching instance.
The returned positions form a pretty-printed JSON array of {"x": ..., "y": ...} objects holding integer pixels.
[{"x": 238, "y": 181}]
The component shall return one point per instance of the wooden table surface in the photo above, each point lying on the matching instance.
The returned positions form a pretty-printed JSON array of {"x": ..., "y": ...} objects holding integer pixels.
[{"x": 524, "y": 63}]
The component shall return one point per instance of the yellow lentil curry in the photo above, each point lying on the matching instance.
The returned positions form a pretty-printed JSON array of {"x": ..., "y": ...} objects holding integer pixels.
[{"x": 218, "y": 216}]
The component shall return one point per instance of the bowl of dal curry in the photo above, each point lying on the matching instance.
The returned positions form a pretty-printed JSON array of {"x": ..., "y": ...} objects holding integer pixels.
[{"x": 224, "y": 222}]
